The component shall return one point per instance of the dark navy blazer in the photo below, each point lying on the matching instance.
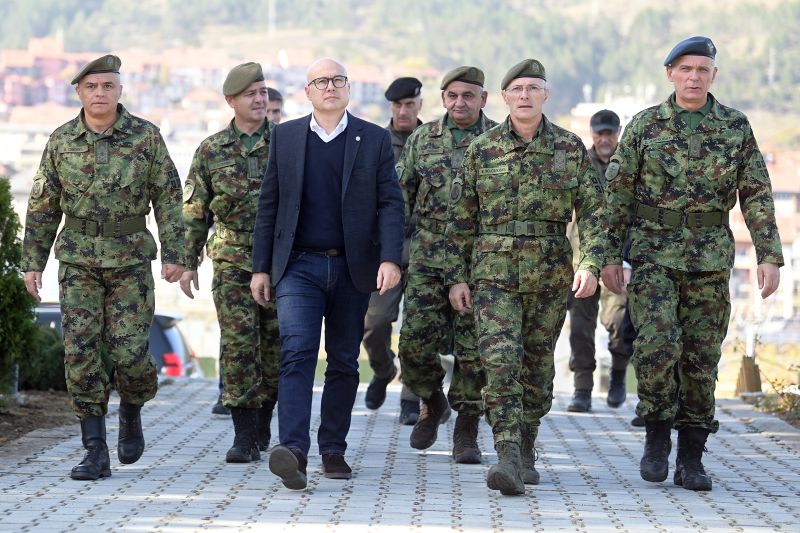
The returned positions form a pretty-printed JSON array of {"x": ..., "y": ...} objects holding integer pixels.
[{"x": 372, "y": 204}]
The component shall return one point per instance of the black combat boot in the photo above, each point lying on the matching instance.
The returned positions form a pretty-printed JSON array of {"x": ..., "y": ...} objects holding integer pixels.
[
  {"x": 245, "y": 446},
  {"x": 426, "y": 429},
  {"x": 220, "y": 409},
  {"x": 465, "y": 440},
  {"x": 409, "y": 412},
  {"x": 689, "y": 471},
  {"x": 96, "y": 463},
  {"x": 616, "y": 389},
  {"x": 528, "y": 452},
  {"x": 654, "y": 465},
  {"x": 506, "y": 476},
  {"x": 130, "y": 444},
  {"x": 581, "y": 401},
  {"x": 263, "y": 433}
]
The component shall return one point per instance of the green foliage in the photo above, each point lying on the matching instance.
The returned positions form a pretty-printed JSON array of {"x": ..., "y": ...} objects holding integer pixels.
[
  {"x": 43, "y": 368},
  {"x": 17, "y": 328}
]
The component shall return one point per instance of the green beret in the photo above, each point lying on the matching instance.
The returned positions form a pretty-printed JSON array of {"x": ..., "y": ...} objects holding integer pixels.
[
  {"x": 472, "y": 75},
  {"x": 240, "y": 77},
  {"x": 107, "y": 63},
  {"x": 527, "y": 68}
]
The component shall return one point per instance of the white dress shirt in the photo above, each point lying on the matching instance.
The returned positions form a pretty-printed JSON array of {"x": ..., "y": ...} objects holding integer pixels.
[{"x": 325, "y": 136}]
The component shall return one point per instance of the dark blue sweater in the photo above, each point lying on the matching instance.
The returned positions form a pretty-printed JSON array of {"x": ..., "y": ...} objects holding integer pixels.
[{"x": 319, "y": 226}]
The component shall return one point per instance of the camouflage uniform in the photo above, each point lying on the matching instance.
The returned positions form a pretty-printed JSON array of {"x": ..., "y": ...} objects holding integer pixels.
[
  {"x": 506, "y": 238},
  {"x": 671, "y": 187},
  {"x": 426, "y": 169},
  {"x": 583, "y": 314},
  {"x": 104, "y": 183},
  {"x": 225, "y": 179}
]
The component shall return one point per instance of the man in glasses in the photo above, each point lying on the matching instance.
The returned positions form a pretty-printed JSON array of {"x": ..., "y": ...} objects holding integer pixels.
[
  {"x": 329, "y": 231},
  {"x": 430, "y": 161},
  {"x": 507, "y": 253}
]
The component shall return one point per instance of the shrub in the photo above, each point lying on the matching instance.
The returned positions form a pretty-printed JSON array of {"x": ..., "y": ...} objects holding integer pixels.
[{"x": 44, "y": 368}]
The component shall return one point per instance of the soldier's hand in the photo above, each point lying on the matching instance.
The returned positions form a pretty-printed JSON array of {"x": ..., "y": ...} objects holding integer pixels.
[
  {"x": 171, "y": 272},
  {"x": 613, "y": 278},
  {"x": 33, "y": 282},
  {"x": 584, "y": 284},
  {"x": 769, "y": 277},
  {"x": 460, "y": 298},
  {"x": 189, "y": 278},
  {"x": 259, "y": 288},
  {"x": 388, "y": 276},
  {"x": 626, "y": 277}
]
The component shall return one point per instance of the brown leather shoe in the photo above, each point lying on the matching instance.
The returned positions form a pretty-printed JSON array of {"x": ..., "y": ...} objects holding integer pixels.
[
  {"x": 335, "y": 467},
  {"x": 425, "y": 430}
]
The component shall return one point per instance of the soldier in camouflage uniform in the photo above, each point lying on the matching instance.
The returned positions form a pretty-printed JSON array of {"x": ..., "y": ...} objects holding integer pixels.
[
  {"x": 507, "y": 245},
  {"x": 671, "y": 183},
  {"x": 224, "y": 179},
  {"x": 431, "y": 158},
  {"x": 102, "y": 171}
]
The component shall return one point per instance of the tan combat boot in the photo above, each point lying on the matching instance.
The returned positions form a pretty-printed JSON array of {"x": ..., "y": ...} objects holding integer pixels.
[
  {"x": 529, "y": 474},
  {"x": 506, "y": 476}
]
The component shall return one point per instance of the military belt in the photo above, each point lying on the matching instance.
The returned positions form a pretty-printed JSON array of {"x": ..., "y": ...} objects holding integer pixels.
[
  {"x": 526, "y": 228},
  {"x": 434, "y": 226},
  {"x": 234, "y": 235},
  {"x": 118, "y": 228},
  {"x": 676, "y": 219}
]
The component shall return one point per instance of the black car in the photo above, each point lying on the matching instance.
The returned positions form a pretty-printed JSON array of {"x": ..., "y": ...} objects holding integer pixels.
[{"x": 169, "y": 348}]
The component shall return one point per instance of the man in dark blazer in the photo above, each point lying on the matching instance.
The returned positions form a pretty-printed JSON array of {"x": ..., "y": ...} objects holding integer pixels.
[{"x": 329, "y": 231}]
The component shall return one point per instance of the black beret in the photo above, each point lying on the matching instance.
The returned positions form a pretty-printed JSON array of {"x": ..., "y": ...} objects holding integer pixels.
[
  {"x": 240, "y": 77},
  {"x": 274, "y": 95},
  {"x": 107, "y": 63},
  {"x": 527, "y": 68},
  {"x": 604, "y": 120},
  {"x": 693, "y": 46},
  {"x": 403, "y": 88},
  {"x": 472, "y": 75}
]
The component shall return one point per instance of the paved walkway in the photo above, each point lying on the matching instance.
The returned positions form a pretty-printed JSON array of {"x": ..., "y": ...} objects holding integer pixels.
[{"x": 588, "y": 463}]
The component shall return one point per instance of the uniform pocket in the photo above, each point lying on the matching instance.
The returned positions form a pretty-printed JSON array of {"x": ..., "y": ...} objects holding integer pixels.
[{"x": 494, "y": 188}]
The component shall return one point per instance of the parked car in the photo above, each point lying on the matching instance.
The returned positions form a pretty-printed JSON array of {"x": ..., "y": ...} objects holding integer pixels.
[{"x": 168, "y": 346}]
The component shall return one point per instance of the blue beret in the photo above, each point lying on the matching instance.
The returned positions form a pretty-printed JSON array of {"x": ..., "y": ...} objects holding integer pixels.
[
  {"x": 403, "y": 88},
  {"x": 694, "y": 46}
]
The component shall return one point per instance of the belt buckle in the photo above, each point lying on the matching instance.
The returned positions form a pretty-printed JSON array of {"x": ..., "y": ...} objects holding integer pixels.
[
  {"x": 89, "y": 227},
  {"x": 117, "y": 229},
  {"x": 520, "y": 228}
]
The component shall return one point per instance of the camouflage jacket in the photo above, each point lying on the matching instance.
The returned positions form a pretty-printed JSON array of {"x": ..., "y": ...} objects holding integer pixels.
[
  {"x": 426, "y": 168},
  {"x": 572, "y": 227},
  {"x": 104, "y": 178},
  {"x": 662, "y": 163},
  {"x": 224, "y": 181},
  {"x": 508, "y": 218}
]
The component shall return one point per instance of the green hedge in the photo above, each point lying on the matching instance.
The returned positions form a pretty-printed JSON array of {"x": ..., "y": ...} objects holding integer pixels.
[{"x": 43, "y": 369}]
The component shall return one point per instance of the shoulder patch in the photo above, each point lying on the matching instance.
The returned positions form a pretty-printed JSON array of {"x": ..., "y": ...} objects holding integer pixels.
[
  {"x": 38, "y": 187},
  {"x": 613, "y": 167},
  {"x": 456, "y": 189},
  {"x": 174, "y": 178},
  {"x": 188, "y": 190},
  {"x": 399, "y": 170},
  {"x": 560, "y": 160}
]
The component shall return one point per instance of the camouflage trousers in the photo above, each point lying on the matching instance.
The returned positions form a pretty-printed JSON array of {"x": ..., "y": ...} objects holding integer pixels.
[
  {"x": 106, "y": 315},
  {"x": 249, "y": 344},
  {"x": 517, "y": 335},
  {"x": 429, "y": 322},
  {"x": 681, "y": 318}
]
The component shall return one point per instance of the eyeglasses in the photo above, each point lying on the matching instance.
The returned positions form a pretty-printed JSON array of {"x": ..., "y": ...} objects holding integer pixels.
[
  {"x": 322, "y": 83},
  {"x": 517, "y": 90}
]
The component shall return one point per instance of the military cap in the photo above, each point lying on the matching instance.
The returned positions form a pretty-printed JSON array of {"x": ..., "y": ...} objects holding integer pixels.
[
  {"x": 403, "y": 88},
  {"x": 527, "y": 68},
  {"x": 472, "y": 75},
  {"x": 694, "y": 46},
  {"x": 107, "y": 63},
  {"x": 240, "y": 77},
  {"x": 604, "y": 120}
]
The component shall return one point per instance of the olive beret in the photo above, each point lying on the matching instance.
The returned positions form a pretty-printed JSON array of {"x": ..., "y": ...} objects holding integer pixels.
[
  {"x": 107, "y": 63},
  {"x": 693, "y": 46},
  {"x": 403, "y": 88},
  {"x": 240, "y": 77},
  {"x": 527, "y": 68},
  {"x": 472, "y": 75}
]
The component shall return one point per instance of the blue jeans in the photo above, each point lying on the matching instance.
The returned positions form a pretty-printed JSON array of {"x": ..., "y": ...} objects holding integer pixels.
[{"x": 313, "y": 287}]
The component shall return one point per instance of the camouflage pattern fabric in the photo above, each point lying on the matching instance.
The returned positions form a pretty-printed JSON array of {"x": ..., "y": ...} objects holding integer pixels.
[
  {"x": 104, "y": 177},
  {"x": 225, "y": 179},
  {"x": 517, "y": 335},
  {"x": 437, "y": 328},
  {"x": 107, "y": 312},
  {"x": 427, "y": 166},
  {"x": 681, "y": 318},
  {"x": 249, "y": 343},
  {"x": 680, "y": 278},
  {"x": 534, "y": 186}
]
